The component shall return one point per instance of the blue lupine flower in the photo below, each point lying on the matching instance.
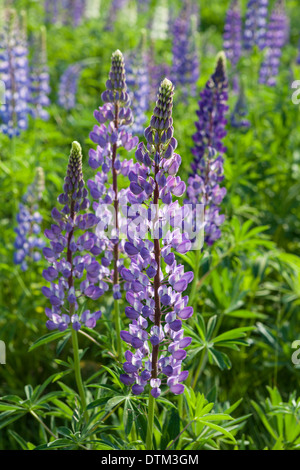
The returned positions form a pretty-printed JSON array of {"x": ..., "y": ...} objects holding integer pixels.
[
  {"x": 154, "y": 281},
  {"x": 74, "y": 272},
  {"x": 28, "y": 244},
  {"x": 68, "y": 86},
  {"x": 185, "y": 66},
  {"x": 276, "y": 37},
  {"x": 255, "y": 24},
  {"x": 207, "y": 167},
  {"x": 39, "y": 80},
  {"x": 14, "y": 73},
  {"x": 138, "y": 88}
]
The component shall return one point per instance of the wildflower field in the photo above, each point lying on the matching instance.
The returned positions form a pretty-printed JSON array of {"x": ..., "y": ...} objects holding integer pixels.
[{"x": 149, "y": 225}]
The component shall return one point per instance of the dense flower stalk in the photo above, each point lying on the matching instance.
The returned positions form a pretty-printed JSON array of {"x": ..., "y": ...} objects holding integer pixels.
[
  {"x": 68, "y": 86},
  {"x": 154, "y": 280},
  {"x": 39, "y": 80},
  {"x": 203, "y": 184},
  {"x": 72, "y": 255},
  {"x": 28, "y": 242},
  {"x": 211, "y": 114},
  {"x": 65, "y": 11},
  {"x": 104, "y": 188},
  {"x": 233, "y": 33},
  {"x": 255, "y": 24},
  {"x": 185, "y": 66},
  {"x": 139, "y": 89},
  {"x": 14, "y": 74},
  {"x": 240, "y": 111},
  {"x": 276, "y": 37}
]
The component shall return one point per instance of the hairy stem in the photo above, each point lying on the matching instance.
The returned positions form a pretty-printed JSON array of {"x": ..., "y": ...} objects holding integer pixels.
[{"x": 149, "y": 438}]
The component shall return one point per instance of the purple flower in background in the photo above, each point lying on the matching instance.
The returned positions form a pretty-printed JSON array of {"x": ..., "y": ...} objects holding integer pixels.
[
  {"x": 203, "y": 184},
  {"x": 65, "y": 11},
  {"x": 276, "y": 37},
  {"x": 111, "y": 135},
  {"x": 14, "y": 74},
  {"x": 298, "y": 58},
  {"x": 233, "y": 33},
  {"x": 237, "y": 118},
  {"x": 68, "y": 86},
  {"x": 143, "y": 6},
  {"x": 115, "y": 7},
  {"x": 28, "y": 243},
  {"x": 211, "y": 114},
  {"x": 73, "y": 273},
  {"x": 255, "y": 24},
  {"x": 154, "y": 281},
  {"x": 138, "y": 88},
  {"x": 185, "y": 66},
  {"x": 39, "y": 79}
]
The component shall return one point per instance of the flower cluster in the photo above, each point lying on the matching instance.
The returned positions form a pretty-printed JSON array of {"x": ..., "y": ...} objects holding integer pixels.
[
  {"x": 255, "y": 24},
  {"x": 115, "y": 7},
  {"x": 72, "y": 258},
  {"x": 185, "y": 66},
  {"x": 139, "y": 89},
  {"x": 211, "y": 114},
  {"x": 276, "y": 36},
  {"x": 68, "y": 86},
  {"x": 28, "y": 243},
  {"x": 203, "y": 184},
  {"x": 39, "y": 80},
  {"x": 233, "y": 33},
  {"x": 237, "y": 118},
  {"x": 65, "y": 11},
  {"x": 14, "y": 74},
  {"x": 109, "y": 139},
  {"x": 155, "y": 281}
]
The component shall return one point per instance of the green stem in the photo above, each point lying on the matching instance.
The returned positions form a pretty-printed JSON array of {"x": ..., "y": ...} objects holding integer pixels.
[
  {"x": 118, "y": 328},
  {"x": 196, "y": 277},
  {"x": 149, "y": 438},
  {"x": 200, "y": 368},
  {"x": 77, "y": 370}
]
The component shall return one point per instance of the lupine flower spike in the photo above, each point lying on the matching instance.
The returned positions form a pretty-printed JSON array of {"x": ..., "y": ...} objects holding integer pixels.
[
  {"x": 14, "y": 74},
  {"x": 139, "y": 88},
  {"x": 39, "y": 80},
  {"x": 105, "y": 187},
  {"x": 28, "y": 242},
  {"x": 71, "y": 255},
  {"x": 185, "y": 67},
  {"x": 203, "y": 184},
  {"x": 276, "y": 37},
  {"x": 237, "y": 118},
  {"x": 68, "y": 86},
  {"x": 233, "y": 38},
  {"x": 255, "y": 24},
  {"x": 154, "y": 281}
]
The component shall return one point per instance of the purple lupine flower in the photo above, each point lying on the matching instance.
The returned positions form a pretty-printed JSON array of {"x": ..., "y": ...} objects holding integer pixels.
[
  {"x": 65, "y": 11},
  {"x": 68, "y": 86},
  {"x": 185, "y": 66},
  {"x": 298, "y": 57},
  {"x": 74, "y": 272},
  {"x": 28, "y": 243},
  {"x": 255, "y": 24},
  {"x": 139, "y": 89},
  {"x": 237, "y": 118},
  {"x": 143, "y": 6},
  {"x": 233, "y": 33},
  {"x": 154, "y": 281},
  {"x": 211, "y": 114},
  {"x": 14, "y": 74},
  {"x": 203, "y": 184},
  {"x": 39, "y": 80},
  {"x": 110, "y": 138},
  {"x": 276, "y": 37},
  {"x": 115, "y": 7}
]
